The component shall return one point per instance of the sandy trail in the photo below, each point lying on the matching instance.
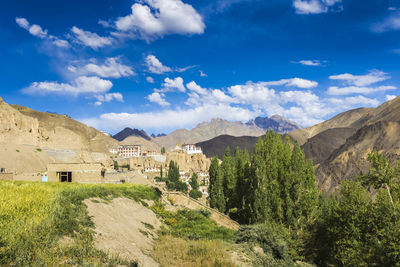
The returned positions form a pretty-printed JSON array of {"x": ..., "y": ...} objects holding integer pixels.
[{"x": 121, "y": 229}]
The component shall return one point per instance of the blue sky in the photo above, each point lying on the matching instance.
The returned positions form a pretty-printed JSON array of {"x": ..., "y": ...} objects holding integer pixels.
[{"x": 167, "y": 64}]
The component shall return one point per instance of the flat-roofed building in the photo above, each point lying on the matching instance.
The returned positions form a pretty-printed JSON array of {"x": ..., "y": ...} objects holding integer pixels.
[
  {"x": 76, "y": 172},
  {"x": 129, "y": 151},
  {"x": 191, "y": 149}
]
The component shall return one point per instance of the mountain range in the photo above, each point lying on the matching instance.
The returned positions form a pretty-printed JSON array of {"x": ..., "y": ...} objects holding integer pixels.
[{"x": 216, "y": 127}]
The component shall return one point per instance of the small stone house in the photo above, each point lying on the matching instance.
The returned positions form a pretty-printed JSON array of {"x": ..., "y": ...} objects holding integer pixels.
[{"x": 76, "y": 172}]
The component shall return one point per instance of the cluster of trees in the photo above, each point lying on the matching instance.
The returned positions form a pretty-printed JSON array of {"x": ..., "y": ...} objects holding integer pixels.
[
  {"x": 173, "y": 182},
  {"x": 276, "y": 184},
  {"x": 275, "y": 189}
]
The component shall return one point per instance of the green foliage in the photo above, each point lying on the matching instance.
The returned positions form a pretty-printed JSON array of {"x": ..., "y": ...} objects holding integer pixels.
[
  {"x": 196, "y": 194},
  {"x": 354, "y": 230},
  {"x": 283, "y": 182},
  {"x": 192, "y": 224},
  {"x": 382, "y": 174},
  {"x": 216, "y": 193},
  {"x": 194, "y": 181},
  {"x": 269, "y": 238},
  {"x": 173, "y": 182},
  {"x": 163, "y": 150},
  {"x": 39, "y": 149}
]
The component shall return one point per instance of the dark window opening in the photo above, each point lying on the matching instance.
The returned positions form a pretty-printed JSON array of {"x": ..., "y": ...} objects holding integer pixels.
[{"x": 65, "y": 177}]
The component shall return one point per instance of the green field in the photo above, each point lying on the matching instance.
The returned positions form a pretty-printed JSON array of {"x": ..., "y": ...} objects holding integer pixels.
[{"x": 48, "y": 225}]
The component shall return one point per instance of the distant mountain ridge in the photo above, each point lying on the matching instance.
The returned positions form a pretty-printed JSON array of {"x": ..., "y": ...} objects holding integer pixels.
[
  {"x": 276, "y": 123},
  {"x": 208, "y": 130},
  {"x": 131, "y": 132}
]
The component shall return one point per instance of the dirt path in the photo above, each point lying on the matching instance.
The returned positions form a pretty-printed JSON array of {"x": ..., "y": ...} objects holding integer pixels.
[{"x": 124, "y": 228}]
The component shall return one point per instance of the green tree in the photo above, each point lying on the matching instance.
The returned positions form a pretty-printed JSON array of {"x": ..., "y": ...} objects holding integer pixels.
[
  {"x": 173, "y": 182},
  {"x": 229, "y": 180},
  {"x": 216, "y": 193},
  {"x": 163, "y": 150},
  {"x": 194, "y": 183},
  {"x": 381, "y": 174}
]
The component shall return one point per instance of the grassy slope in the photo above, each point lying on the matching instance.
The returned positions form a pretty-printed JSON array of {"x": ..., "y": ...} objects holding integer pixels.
[
  {"x": 34, "y": 217},
  {"x": 48, "y": 225}
]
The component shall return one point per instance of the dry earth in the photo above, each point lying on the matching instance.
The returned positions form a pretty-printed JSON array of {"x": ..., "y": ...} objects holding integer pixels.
[{"x": 121, "y": 231}]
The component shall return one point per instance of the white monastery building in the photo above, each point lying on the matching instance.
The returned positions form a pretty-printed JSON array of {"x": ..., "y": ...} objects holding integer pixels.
[
  {"x": 191, "y": 149},
  {"x": 129, "y": 151}
]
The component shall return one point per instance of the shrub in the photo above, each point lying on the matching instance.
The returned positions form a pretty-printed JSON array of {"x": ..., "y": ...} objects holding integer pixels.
[
  {"x": 196, "y": 194},
  {"x": 270, "y": 239}
]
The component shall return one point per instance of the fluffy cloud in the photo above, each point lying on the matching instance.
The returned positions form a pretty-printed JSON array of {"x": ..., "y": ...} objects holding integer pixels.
[
  {"x": 93, "y": 40},
  {"x": 372, "y": 77},
  {"x": 334, "y": 90},
  {"x": 391, "y": 23},
  {"x": 236, "y": 103},
  {"x": 81, "y": 85},
  {"x": 155, "y": 66},
  {"x": 173, "y": 84},
  {"x": 152, "y": 19},
  {"x": 149, "y": 79},
  {"x": 307, "y": 7},
  {"x": 194, "y": 87},
  {"x": 112, "y": 68},
  {"x": 108, "y": 98},
  {"x": 158, "y": 98},
  {"x": 390, "y": 97},
  {"x": 294, "y": 82},
  {"x": 37, "y": 31}
]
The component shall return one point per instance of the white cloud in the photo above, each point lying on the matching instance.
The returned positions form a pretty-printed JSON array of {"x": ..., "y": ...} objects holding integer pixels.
[
  {"x": 108, "y": 98},
  {"x": 372, "y": 77},
  {"x": 173, "y": 84},
  {"x": 390, "y": 97},
  {"x": 237, "y": 103},
  {"x": 149, "y": 79},
  {"x": 37, "y": 31},
  {"x": 158, "y": 98},
  {"x": 202, "y": 74},
  {"x": 90, "y": 39},
  {"x": 334, "y": 90},
  {"x": 350, "y": 102},
  {"x": 153, "y": 19},
  {"x": 171, "y": 119},
  {"x": 306, "y": 7},
  {"x": 294, "y": 82},
  {"x": 390, "y": 23},
  {"x": 112, "y": 68},
  {"x": 193, "y": 86},
  {"x": 61, "y": 43},
  {"x": 313, "y": 63},
  {"x": 81, "y": 85},
  {"x": 155, "y": 66}
]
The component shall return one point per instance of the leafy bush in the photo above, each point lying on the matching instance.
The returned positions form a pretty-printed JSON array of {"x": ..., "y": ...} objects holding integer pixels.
[
  {"x": 192, "y": 224},
  {"x": 196, "y": 194},
  {"x": 270, "y": 239}
]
